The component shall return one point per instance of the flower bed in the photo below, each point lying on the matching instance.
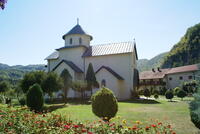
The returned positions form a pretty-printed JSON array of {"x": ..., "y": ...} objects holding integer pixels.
[{"x": 23, "y": 121}]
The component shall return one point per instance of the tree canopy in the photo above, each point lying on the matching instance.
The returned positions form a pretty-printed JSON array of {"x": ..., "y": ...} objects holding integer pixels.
[{"x": 186, "y": 51}]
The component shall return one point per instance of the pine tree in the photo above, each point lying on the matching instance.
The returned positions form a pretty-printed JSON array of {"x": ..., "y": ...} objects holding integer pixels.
[
  {"x": 67, "y": 81},
  {"x": 91, "y": 78}
]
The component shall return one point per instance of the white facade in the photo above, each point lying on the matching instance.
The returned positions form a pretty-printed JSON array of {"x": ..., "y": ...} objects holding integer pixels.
[{"x": 113, "y": 63}]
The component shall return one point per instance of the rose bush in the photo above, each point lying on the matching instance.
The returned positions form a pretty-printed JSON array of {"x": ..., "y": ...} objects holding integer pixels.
[{"x": 17, "y": 121}]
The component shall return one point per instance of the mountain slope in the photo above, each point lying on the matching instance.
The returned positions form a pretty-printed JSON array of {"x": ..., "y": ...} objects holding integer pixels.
[
  {"x": 15, "y": 73},
  {"x": 186, "y": 51},
  {"x": 144, "y": 64}
]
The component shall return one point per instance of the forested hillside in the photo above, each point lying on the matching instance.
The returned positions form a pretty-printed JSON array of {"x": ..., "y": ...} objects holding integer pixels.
[
  {"x": 186, "y": 51},
  {"x": 144, "y": 64},
  {"x": 15, "y": 73}
]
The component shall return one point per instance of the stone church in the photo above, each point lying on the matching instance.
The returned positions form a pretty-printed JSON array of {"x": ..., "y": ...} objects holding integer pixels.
[{"x": 113, "y": 63}]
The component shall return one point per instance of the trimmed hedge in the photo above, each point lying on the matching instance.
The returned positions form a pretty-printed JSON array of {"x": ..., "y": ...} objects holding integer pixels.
[
  {"x": 104, "y": 104},
  {"x": 35, "y": 98}
]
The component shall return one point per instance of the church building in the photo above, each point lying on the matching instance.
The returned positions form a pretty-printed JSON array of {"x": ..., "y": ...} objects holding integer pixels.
[{"x": 113, "y": 63}]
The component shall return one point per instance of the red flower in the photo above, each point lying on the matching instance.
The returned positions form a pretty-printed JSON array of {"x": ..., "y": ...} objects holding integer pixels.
[
  {"x": 90, "y": 133},
  {"x": 76, "y": 126},
  {"x": 153, "y": 125},
  {"x": 84, "y": 130},
  {"x": 147, "y": 128},
  {"x": 173, "y": 133},
  {"x": 67, "y": 127},
  {"x": 134, "y": 128},
  {"x": 159, "y": 123}
]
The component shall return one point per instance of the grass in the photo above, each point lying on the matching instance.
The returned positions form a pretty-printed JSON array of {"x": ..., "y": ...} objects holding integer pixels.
[{"x": 176, "y": 113}]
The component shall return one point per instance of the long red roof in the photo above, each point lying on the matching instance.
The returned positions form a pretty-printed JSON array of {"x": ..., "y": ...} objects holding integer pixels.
[{"x": 161, "y": 74}]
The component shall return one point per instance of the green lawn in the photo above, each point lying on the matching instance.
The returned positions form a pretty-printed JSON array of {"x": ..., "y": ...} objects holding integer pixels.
[{"x": 176, "y": 113}]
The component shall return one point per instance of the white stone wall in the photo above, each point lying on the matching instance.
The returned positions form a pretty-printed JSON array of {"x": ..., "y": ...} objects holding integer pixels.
[
  {"x": 121, "y": 64},
  {"x": 176, "y": 82},
  {"x": 75, "y": 40},
  {"x": 74, "y": 55}
]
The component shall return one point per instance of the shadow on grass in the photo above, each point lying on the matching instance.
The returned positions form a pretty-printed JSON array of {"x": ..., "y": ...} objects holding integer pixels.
[
  {"x": 141, "y": 101},
  {"x": 53, "y": 107},
  {"x": 69, "y": 101}
]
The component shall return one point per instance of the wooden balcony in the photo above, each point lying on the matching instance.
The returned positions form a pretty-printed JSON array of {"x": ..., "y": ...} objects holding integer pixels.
[{"x": 149, "y": 83}]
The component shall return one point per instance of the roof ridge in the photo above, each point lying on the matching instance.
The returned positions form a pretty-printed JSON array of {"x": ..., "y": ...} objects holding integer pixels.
[{"x": 111, "y": 43}]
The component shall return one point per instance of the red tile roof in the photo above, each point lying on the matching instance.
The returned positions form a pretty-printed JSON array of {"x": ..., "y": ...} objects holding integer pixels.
[
  {"x": 153, "y": 75},
  {"x": 163, "y": 72},
  {"x": 189, "y": 68}
]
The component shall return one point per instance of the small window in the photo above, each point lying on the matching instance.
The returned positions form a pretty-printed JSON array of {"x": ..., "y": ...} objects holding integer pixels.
[
  {"x": 80, "y": 41},
  {"x": 70, "y": 41},
  {"x": 189, "y": 77},
  {"x": 170, "y": 78},
  {"x": 180, "y": 78},
  {"x": 103, "y": 83}
]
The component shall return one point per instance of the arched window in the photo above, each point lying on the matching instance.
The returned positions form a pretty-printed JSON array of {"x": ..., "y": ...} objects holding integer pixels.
[
  {"x": 80, "y": 41},
  {"x": 103, "y": 83},
  {"x": 70, "y": 41}
]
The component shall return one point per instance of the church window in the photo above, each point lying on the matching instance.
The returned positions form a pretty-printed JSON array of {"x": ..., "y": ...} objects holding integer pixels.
[
  {"x": 80, "y": 41},
  {"x": 70, "y": 41},
  {"x": 103, "y": 83}
]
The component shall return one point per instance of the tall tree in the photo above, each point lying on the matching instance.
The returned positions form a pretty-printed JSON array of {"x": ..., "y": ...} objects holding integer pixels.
[
  {"x": 91, "y": 78},
  {"x": 80, "y": 86},
  {"x": 51, "y": 84},
  {"x": 67, "y": 81},
  {"x": 4, "y": 86},
  {"x": 31, "y": 78}
]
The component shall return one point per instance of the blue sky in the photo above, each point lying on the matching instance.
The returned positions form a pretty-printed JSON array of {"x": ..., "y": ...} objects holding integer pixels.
[{"x": 31, "y": 29}]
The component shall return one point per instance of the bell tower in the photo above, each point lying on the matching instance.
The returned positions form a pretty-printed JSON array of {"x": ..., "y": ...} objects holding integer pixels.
[{"x": 77, "y": 36}]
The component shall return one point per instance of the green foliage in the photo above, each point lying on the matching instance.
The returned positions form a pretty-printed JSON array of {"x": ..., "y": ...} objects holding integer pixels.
[
  {"x": 35, "y": 98},
  {"x": 22, "y": 101},
  {"x": 52, "y": 83},
  {"x": 136, "y": 79},
  {"x": 186, "y": 51},
  {"x": 135, "y": 94},
  {"x": 31, "y": 78},
  {"x": 91, "y": 78},
  {"x": 176, "y": 90},
  {"x": 169, "y": 95},
  {"x": 147, "y": 92},
  {"x": 190, "y": 87},
  {"x": 195, "y": 109},
  {"x": 181, "y": 94},
  {"x": 4, "y": 86},
  {"x": 163, "y": 90},
  {"x": 80, "y": 86},
  {"x": 13, "y": 74},
  {"x": 156, "y": 96},
  {"x": 67, "y": 82},
  {"x": 104, "y": 104}
]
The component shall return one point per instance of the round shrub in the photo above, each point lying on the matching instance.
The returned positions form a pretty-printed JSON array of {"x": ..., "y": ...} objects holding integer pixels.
[
  {"x": 147, "y": 92},
  {"x": 156, "y": 96},
  {"x": 169, "y": 95},
  {"x": 181, "y": 94},
  {"x": 104, "y": 104},
  {"x": 176, "y": 90},
  {"x": 34, "y": 98}
]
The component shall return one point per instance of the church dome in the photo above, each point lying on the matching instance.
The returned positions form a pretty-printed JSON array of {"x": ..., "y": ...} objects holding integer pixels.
[{"x": 77, "y": 30}]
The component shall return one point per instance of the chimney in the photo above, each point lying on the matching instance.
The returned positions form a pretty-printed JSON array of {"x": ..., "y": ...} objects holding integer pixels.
[
  {"x": 153, "y": 70},
  {"x": 159, "y": 69}
]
